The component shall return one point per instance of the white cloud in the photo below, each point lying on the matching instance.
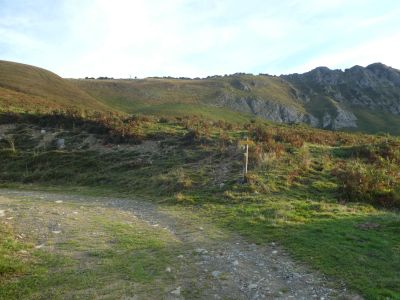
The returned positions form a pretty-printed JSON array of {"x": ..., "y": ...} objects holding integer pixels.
[
  {"x": 199, "y": 38},
  {"x": 385, "y": 50}
]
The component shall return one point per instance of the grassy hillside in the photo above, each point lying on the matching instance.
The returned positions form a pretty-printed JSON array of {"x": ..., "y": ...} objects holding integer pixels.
[
  {"x": 185, "y": 96},
  {"x": 374, "y": 121},
  {"x": 202, "y": 96},
  {"x": 330, "y": 198},
  {"x": 28, "y": 88},
  {"x": 24, "y": 87},
  {"x": 233, "y": 98}
]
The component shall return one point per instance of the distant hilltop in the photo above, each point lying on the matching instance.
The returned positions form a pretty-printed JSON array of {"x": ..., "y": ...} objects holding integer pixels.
[{"x": 359, "y": 98}]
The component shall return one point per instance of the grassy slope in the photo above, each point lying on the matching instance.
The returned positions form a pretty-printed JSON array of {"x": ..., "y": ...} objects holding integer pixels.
[
  {"x": 24, "y": 87},
  {"x": 377, "y": 122},
  {"x": 291, "y": 200},
  {"x": 190, "y": 97},
  {"x": 28, "y": 88},
  {"x": 179, "y": 97}
]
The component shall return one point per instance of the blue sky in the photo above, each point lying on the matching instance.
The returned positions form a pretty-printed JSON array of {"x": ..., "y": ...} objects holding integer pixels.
[{"x": 122, "y": 38}]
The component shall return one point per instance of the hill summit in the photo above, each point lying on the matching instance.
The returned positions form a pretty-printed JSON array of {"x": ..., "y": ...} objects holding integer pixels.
[{"x": 359, "y": 98}]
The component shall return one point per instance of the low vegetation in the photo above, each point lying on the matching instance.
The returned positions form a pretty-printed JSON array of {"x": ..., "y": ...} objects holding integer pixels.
[
  {"x": 330, "y": 198},
  {"x": 96, "y": 253}
]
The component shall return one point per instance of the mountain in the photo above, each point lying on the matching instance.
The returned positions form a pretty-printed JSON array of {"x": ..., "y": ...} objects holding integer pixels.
[
  {"x": 357, "y": 99},
  {"x": 264, "y": 96},
  {"x": 25, "y": 87},
  {"x": 361, "y": 98}
]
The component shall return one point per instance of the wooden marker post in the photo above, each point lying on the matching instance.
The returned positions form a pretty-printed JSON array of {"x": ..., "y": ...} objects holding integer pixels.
[{"x": 246, "y": 144}]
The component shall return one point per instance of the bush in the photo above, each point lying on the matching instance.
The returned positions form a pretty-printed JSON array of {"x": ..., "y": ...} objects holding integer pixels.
[
  {"x": 389, "y": 150},
  {"x": 377, "y": 184},
  {"x": 255, "y": 183},
  {"x": 174, "y": 181}
]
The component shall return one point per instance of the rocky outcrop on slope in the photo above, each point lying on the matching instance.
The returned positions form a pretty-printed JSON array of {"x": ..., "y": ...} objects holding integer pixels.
[
  {"x": 376, "y": 86},
  {"x": 343, "y": 119},
  {"x": 267, "y": 109}
]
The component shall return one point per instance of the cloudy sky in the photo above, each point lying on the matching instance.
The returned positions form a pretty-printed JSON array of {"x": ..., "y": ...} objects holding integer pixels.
[{"x": 122, "y": 38}]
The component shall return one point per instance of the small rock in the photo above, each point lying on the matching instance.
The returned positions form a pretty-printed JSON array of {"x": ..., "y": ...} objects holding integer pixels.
[
  {"x": 180, "y": 256},
  {"x": 201, "y": 251},
  {"x": 168, "y": 270},
  {"x": 253, "y": 286},
  {"x": 2, "y": 212},
  {"x": 60, "y": 143},
  {"x": 235, "y": 263},
  {"x": 58, "y": 201},
  {"x": 215, "y": 274},
  {"x": 23, "y": 251},
  {"x": 275, "y": 252},
  {"x": 75, "y": 212},
  {"x": 42, "y": 131},
  {"x": 56, "y": 231},
  {"x": 177, "y": 291},
  {"x": 201, "y": 228},
  {"x": 39, "y": 246},
  {"x": 9, "y": 218}
]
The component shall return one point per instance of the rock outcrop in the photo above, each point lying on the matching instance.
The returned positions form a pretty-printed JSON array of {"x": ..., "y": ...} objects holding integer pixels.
[
  {"x": 376, "y": 86},
  {"x": 267, "y": 109}
]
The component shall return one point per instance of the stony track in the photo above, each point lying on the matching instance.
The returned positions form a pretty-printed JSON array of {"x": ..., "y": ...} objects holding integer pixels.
[{"x": 214, "y": 264}]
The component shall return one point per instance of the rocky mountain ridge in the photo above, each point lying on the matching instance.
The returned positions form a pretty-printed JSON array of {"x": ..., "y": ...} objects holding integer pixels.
[
  {"x": 327, "y": 98},
  {"x": 375, "y": 88}
]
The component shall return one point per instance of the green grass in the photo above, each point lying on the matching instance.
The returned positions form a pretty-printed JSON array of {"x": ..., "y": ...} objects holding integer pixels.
[
  {"x": 125, "y": 257},
  {"x": 173, "y": 97},
  {"x": 325, "y": 235},
  {"x": 12, "y": 261},
  {"x": 377, "y": 122},
  {"x": 292, "y": 199},
  {"x": 203, "y": 111}
]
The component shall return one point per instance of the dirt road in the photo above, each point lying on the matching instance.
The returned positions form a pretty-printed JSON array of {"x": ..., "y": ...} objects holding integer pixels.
[{"x": 210, "y": 264}]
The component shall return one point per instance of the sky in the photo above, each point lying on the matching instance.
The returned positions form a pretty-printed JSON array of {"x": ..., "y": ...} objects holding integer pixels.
[{"x": 198, "y": 38}]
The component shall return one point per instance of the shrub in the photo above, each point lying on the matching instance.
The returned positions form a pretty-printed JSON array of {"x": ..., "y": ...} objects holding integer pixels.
[
  {"x": 377, "y": 184},
  {"x": 389, "y": 149},
  {"x": 174, "y": 181},
  {"x": 254, "y": 183}
]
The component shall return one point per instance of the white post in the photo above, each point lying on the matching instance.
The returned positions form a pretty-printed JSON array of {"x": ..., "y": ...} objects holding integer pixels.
[{"x": 246, "y": 160}]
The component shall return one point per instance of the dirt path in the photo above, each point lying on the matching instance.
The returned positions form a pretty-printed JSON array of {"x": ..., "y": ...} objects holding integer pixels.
[{"x": 213, "y": 264}]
